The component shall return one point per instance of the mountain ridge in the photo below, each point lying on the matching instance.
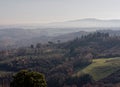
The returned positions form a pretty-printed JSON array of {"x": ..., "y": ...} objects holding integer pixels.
[{"x": 78, "y": 23}]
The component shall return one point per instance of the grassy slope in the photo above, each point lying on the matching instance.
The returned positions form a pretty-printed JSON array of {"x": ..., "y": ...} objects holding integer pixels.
[{"x": 100, "y": 68}]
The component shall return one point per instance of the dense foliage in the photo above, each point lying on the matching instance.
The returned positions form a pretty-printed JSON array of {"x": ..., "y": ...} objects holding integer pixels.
[{"x": 28, "y": 79}]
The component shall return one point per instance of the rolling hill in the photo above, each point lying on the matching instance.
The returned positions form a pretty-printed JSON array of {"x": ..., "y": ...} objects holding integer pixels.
[
  {"x": 96, "y": 54},
  {"x": 101, "y": 68},
  {"x": 11, "y": 38}
]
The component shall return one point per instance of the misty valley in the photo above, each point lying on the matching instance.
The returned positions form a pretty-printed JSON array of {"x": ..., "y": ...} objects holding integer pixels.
[
  {"x": 59, "y": 43},
  {"x": 66, "y": 57}
]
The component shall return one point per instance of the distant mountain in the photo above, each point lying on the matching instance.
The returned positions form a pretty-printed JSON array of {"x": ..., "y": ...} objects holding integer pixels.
[
  {"x": 22, "y": 35},
  {"x": 92, "y": 23},
  {"x": 85, "y": 23}
]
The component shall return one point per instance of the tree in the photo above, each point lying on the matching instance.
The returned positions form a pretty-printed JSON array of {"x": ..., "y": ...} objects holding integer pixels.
[
  {"x": 56, "y": 80},
  {"x": 31, "y": 46},
  {"x": 79, "y": 81},
  {"x": 25, "y": 78},
  {"x": 38, "y": 45}
]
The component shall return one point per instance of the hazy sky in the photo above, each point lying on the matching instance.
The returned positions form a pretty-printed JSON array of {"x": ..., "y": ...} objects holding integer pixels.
[{"x": 44, "y": 11}]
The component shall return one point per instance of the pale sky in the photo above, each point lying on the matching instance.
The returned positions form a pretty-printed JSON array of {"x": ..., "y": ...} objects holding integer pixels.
[{"x": 45, "y": 11}]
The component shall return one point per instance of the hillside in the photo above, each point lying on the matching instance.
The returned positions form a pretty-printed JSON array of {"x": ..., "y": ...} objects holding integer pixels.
[
  {"x": 94, "y": 45},
  {"x": 19, "y": 37},
  {"x": 102, "y": 68},
  {"x": 96, "y": 54},
  {"x": 112, "y": 78}
]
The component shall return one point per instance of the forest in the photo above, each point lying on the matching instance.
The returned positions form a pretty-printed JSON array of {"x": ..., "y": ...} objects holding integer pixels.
[{"x": 61, "y": 62}]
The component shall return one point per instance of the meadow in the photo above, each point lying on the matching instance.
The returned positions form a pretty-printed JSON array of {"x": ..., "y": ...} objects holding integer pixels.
[{"x": 101, "y": 68}]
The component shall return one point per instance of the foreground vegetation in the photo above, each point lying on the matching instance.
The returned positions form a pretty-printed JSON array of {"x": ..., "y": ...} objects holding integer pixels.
[{"x": 26, "y": 78}]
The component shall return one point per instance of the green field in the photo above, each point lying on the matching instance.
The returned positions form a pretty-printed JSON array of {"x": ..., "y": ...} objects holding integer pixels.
[{"x": 101, "y": 68}]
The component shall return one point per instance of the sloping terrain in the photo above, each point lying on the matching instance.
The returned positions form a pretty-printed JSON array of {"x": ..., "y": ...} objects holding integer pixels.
[
  {"x": 101, "y": 68},
  {"x": 97, "y": 54},
  {"x": 15, "y": 37},
  {"x": 112, "y": 78}
]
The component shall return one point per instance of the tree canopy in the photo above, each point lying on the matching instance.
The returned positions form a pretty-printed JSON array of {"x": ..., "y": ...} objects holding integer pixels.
[{"x": 26, "y": 78}]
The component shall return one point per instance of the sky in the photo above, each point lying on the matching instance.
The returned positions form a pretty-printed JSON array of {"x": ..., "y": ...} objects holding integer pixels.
[{"x": 46, "y": 11}]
